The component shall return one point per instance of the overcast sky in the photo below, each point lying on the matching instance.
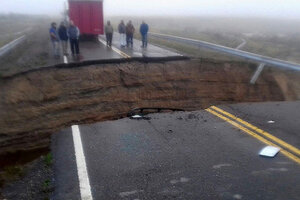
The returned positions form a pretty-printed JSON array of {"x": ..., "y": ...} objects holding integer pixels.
[{"x": 260, "y": 8}]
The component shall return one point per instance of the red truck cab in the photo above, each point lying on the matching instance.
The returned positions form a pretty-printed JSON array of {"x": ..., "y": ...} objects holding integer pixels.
[{"x": 87, "y": 15}]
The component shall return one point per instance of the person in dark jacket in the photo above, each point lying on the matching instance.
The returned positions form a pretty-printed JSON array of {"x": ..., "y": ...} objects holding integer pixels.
[
  {"x": 109, "y": 30},
  {"x": 129, "y": 34},
  {"x": 73, "y": 34},
  {"x": 144, "y": 28},
  {"x": 122, "y": 31},
  {"x": 54, "y": 39},
  {"x": 63, "y": 36}
]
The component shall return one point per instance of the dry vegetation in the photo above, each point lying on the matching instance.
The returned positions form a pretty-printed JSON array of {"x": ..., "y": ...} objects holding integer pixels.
[
  {"x": 15, "y": 25},
  {"x": 271, "y": 37}
]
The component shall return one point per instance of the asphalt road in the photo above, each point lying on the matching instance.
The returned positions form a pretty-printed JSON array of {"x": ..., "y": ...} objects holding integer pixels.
[
  {"x": 97, "y": 50},
  {"x": 182, "y": 155},
  {"x": 138, "y": 51},
  {"x": 285, "y": 117},
  {"x": 93, "y": 50}
]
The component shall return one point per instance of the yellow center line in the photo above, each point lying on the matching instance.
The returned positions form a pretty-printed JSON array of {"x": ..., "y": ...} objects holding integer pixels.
[
  {"x": 260, "y": 138},
  {"x": 124, "y": 55},
  {"x": 258, "y": 130}
]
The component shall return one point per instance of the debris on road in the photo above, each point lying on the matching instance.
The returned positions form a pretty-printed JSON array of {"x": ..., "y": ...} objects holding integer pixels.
[
  {"x": 136, "y": 117},
  {"x": 269, "y": 151},
  {"x": 125, "y": 194},
  {"x": 221, "y": 165},
  {"x": 237, "y": 196},
  {"x": 139, "y": 117},
  {"x": 271, "y": 122}
]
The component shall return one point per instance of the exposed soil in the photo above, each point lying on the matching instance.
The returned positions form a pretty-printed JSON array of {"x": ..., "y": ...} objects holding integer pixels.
[
  {"x": 35, "y": 104},
  {"x": 36, "y": 101}
]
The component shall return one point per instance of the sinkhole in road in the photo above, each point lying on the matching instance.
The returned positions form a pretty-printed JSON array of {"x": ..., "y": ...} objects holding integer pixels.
[{"x": 36, "y": 103}]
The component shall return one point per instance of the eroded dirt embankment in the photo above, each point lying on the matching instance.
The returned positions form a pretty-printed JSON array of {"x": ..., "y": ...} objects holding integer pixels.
[{"x": 35, "y": 104}]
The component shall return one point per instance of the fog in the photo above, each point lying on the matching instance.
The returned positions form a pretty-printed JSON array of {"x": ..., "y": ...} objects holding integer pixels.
[{"x": 245, "y": 8}]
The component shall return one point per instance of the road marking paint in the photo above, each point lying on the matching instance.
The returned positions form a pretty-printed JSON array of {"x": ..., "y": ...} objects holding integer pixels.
[
  {"x": 83, "y": 178},
  {"x": 124, "y": 55},
  {"x": 219, "y": 166},
  {"x": 65, "y": 59},
  {"x": 284, "y": 152},
  {"x": 258, "y": 130},
  {"x": 126, "y": 194}
]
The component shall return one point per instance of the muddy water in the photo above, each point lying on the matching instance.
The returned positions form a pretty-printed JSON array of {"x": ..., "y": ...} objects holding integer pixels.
[{"x": 35, "y": 104}]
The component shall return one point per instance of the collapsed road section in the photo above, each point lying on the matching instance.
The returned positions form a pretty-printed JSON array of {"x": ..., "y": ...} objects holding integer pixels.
[
  {"x": 181, "y": 155},
  {"x": 37, "y": 103}
]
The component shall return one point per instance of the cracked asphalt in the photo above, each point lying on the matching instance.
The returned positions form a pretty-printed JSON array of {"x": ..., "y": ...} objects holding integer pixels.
[{"x": 182, "y": 155}]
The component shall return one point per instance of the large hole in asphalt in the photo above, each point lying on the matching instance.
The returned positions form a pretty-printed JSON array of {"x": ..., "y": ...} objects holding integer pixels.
[{"x": 36, "y": 103}]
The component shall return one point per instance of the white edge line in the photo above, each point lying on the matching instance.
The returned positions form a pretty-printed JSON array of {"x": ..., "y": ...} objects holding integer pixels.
[{"x": 83, "y": 178}]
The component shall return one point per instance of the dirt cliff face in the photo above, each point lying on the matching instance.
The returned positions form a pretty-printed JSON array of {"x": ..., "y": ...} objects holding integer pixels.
[{"x": 35, "y": 104}]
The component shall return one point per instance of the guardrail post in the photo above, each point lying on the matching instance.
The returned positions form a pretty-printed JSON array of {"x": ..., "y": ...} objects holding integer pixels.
[{"x": 257, "y": 73}]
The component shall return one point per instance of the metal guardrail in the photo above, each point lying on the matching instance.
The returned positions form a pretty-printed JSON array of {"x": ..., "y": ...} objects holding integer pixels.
[
  {"x": 234, "y": 52},
  {"x": 10, "y": 46}
]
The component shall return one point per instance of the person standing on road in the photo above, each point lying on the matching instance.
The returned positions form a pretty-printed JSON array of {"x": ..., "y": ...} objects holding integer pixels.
[
  {"x": 144, "y": 28},
  {"x": 129, "y": 34},
  {"x": 74, "y": 33},
  {"x": 63, "y": 36},
  {"x": 122, "y": 30},
  {"x": 109, "y": 30},
  {"x": 54, "y": 39}
]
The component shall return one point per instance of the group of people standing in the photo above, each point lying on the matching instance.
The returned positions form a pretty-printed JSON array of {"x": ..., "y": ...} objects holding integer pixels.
[
  {"x": 71, "y": 33},
  {"x": 62, "y": 35},
  {"x": 126, "y": 33}
]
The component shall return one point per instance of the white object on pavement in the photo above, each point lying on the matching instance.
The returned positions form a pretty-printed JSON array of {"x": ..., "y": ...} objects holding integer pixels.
[
  {"x": 136, "y": 116},
  {"x": 269, "y": 151}
]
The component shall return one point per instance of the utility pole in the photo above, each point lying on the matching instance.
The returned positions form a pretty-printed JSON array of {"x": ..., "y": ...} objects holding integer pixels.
[{"x": 66, "y": 12}]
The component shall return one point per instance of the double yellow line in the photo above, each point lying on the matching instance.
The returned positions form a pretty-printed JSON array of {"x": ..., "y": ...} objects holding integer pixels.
[
  {"x": 286, "y": 149},
  {"x": 124, "y": 55}
]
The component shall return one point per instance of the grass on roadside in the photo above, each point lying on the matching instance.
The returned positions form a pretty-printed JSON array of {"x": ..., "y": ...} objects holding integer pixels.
[
  {"x": 6, "y": 40},
  {"x": 48, "y": 159},
  {"x": 191, "y": 51}
]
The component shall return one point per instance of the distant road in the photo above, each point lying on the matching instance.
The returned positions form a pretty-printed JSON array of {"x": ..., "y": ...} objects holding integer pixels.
[
  {"x": 16, "y": 33},
  {"x": 11, "y": 45},
  {"x": 242, "y": 45}
]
